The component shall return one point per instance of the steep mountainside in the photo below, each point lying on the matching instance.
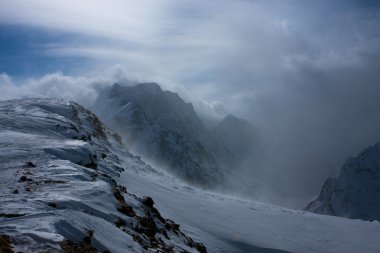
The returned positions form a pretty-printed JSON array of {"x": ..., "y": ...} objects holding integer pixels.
[
  {"x": 166, "y": 130},
  {"x": 355, "y": 192},
  {"x": 162, "y": 128},
  {"x": 60, "y": 188}
]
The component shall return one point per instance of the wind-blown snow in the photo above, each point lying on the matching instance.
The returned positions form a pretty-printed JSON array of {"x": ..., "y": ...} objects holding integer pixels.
[
  {"x": 59, "y": 171},
  {"x": 60, "y": 187},
  {"x": 227, "y": 223},
  {"x": 160, "y": 126}
]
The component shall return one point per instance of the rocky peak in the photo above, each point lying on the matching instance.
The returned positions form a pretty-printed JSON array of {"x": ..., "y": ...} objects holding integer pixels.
[{"x": 355, "y": 191}]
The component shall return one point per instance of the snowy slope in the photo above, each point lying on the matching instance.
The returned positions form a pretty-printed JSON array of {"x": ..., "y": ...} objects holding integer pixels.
[
  {"x": 355, "y": 192},
  {"x": 60, "y": 187},
  {"x": 64, "y": 194},
  {"x": 230, "y": 224}
]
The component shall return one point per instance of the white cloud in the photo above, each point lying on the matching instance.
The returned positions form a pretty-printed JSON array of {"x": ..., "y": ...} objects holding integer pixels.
[
  {"x": 5, "y": 80},
  {"x": 82, "y": 89}
]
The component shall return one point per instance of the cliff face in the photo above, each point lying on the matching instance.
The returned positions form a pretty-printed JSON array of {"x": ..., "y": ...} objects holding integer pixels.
[{"x": 355, "y": 192}]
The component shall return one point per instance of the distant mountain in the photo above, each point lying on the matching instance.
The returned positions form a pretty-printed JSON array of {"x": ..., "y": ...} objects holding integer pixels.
[
  {"x": 164, "y": 129},
  {"x": 355, "y": 192},
  {"x": 238, "y": 136}
]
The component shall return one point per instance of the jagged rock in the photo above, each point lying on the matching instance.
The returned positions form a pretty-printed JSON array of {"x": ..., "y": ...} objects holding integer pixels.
[{"x": 148, "y": 201}]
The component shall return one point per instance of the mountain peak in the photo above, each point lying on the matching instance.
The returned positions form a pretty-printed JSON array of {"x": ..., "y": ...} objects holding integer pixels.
[
  {"x": 160, "y": 126},
  {"x": 233, "y": 122},
  {"x": 232, "y": 118},
  {"x": 354, "y": 192},
  {"x": 151, "y": 86}
]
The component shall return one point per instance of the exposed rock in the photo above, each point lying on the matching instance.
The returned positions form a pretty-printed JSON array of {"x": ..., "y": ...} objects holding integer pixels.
[
  {"x": 5, "y": 244},
  {"x": 148, "y": 201}
]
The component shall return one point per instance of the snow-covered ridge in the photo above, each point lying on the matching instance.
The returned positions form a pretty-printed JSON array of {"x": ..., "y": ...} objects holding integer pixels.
[
  {"x": 355, "y": 192},
  {"x": 60, "y": 187}
]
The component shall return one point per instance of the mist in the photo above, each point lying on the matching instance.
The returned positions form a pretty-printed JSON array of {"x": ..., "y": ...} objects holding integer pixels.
[{"x": 305, "y": 74}]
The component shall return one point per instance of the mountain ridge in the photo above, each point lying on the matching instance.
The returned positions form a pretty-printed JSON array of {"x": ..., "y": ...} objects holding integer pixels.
[
  {"x": 60, "y": 189},
  {"x": 160, "y": 126}
]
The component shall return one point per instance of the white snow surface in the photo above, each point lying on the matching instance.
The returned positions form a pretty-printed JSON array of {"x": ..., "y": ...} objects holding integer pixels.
[
  {"x": 229, "y": 224},
  {"x": 41, "y": 131},
  {"x": 60, "y": 168}
]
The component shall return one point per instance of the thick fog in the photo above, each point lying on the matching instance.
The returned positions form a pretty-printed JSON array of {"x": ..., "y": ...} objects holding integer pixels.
[{"x": 305, "y": 73}]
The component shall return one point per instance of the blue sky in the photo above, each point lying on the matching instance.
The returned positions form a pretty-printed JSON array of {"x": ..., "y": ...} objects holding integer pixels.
[{"x": 21, "y": 50}]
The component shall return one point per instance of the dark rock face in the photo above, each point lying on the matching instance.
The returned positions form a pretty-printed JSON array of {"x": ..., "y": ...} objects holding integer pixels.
[
  {"x": 148, "y": 201},
  {"x": 355, "y": 192},
  {"x": 5, "y": 244}
]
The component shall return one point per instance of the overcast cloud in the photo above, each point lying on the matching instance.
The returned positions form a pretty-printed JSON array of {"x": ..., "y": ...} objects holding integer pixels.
[{"x": 306, "y": 73}]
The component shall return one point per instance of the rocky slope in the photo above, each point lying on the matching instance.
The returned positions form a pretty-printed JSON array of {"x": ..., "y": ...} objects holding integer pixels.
[
  {"x": 166, "y": 130},
  {"x": 60, "y": 188},
  {"x": 355, "y": 192}
]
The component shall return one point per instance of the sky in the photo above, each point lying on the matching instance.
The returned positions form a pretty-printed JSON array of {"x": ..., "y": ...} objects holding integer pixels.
[{"x": 305, "y": 73}]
